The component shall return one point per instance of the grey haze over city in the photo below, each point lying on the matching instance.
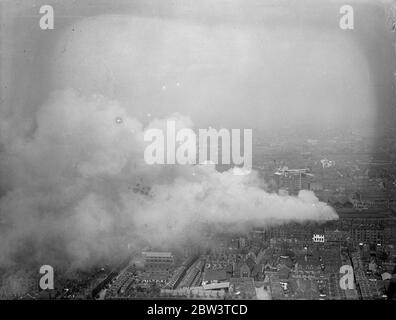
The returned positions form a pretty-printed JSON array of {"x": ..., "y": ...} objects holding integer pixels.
[{"x": 76, "y": 101}]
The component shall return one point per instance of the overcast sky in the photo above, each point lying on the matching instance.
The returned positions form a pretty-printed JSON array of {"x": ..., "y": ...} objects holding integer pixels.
[{"x": 223, "y": 63}]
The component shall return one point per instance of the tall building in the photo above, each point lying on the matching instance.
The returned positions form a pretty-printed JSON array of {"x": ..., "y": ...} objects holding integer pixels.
[{"x": 158, "y": 261}]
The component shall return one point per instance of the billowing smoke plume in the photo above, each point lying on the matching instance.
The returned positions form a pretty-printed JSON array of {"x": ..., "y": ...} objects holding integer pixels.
[
  {"x": 77, "y": 188},
  {"x": 81, "y": 188}
]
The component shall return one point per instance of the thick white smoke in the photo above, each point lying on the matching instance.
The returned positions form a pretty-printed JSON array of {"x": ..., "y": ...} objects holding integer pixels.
[
  {"x": 78, "y": 190},
  {"x": 81, "y": 188}
]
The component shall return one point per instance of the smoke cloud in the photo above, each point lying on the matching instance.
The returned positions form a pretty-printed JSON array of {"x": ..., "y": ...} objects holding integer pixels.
[
  {"x": 81, "y": 188},
  {"x": 78, "y": 190}
]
